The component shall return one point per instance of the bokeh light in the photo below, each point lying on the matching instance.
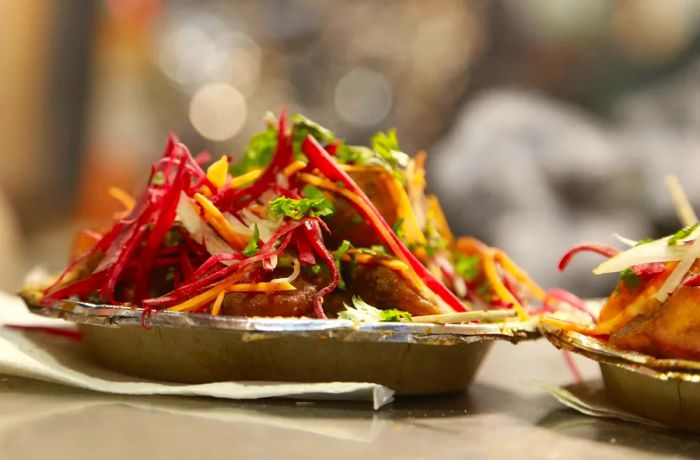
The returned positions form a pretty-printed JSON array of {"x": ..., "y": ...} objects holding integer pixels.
[
  {"x": 218, "y": 111},
  {"x": 363, "y": 97}
]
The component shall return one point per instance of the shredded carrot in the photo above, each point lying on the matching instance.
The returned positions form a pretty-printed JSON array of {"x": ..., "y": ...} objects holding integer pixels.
[
  {"x": 243, "y": 179},
  {"x": 124, "y": 198},
  {"x": 368, "y": 259},
  {"x": 328, "y": 185},
  {"x": 411, "y": 230},
  {"x": 489, "y": 263},
  {"x": 217, "y": 220},
  {"x": 216, "y": 308},
  {"x": 206, "y": 296},
  {"x": 437, "y": 213},
  {"x": 262, "y": 287},
  {"x": 519, "y": 274},
  {"x": 294, "y": 168},
  {"x": 565, "y": 325},
  {"x": 361, "y": 168}
]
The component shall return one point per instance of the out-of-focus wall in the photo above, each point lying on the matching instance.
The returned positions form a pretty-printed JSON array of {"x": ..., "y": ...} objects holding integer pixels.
[{"x": 23, "y": 70}]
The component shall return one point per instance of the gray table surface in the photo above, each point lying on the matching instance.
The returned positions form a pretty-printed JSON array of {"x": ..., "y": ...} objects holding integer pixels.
[{"x": 503, "y": 416}]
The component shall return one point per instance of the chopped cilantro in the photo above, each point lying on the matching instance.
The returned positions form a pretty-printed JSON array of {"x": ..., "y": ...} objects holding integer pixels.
[
  {"x": 681, "y": 234},
  {"x": 630, "y": 278},
  {"x": 394, "y": 315},
  {"x": 467, "y": 266},
  {"x": 316, "y": 269},
  {"x": 362, "y": 312},
  {"x": 158, "y": 178},
  {"x": 258, "y": 152},
  {"x": 644, "y": 241},
  {"x": 355, "y": 154},
  {"x": 337, "y": 255},
  {"x": 357, "y": 219},
  {"x": 386, "y": 145},
  {"x": 398, "y": 227},
  {"x": 484, "y": 290},
  {"x": 313, "y": 193},
  {"x": 304, "y": 127},
  {"x": 252, "y": 247},
  {"x": 298, "y": 209},
  {"x": 376, "y": 250}
]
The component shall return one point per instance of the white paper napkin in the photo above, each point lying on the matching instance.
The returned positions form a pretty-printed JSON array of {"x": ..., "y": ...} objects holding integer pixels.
[{"x": 37, "y": 355}]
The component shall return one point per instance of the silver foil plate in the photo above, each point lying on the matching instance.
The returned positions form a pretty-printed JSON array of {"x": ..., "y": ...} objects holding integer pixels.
[{"x": 81, "y": 312}]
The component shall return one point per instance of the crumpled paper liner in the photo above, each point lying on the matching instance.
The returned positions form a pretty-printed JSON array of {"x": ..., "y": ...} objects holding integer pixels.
[
  {"x": 590, "y": 398},
  {"x": 32, "y": 354}
]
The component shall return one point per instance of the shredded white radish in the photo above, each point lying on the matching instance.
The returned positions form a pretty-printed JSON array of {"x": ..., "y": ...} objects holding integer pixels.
[
  {"x": 200, "y": 230},
  {"x": 684, "y": 210},
  {"x": 295, "y": 273},
  {"x": 282, "y": 180},
  {"x": 626, "y": 241},
  {"x": 238, "y": 226},
  {"x": 655, "y": 251},
  {"x": 460, "y": 287},
  {"x": 677, "y": 275},
  {"x": 266, "y": 227}
]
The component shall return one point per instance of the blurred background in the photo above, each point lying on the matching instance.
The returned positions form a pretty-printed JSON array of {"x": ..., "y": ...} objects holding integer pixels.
[{"x": 546, "y": 122}]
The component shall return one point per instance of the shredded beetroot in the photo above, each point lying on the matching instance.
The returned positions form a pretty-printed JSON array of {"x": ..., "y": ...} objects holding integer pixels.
[
  {"x": 692, "y": 281},
  {"x": 313, "y": 236},
  {"x": 599, "y": 248},
  {"x": 319, "y": 158},
  {"x": 649, "y": 269}
]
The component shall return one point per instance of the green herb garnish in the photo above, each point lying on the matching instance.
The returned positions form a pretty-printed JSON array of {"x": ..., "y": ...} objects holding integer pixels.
[
  {"x": 630, "y": 278},
  {"x": 252, "y": 247},
  {"x": 681, "y": 234},
  {"x": 158, "y": 178},
  {"x": 467, "y": 266},
  {"x": 362, "y": 312},
  {"x": 337, "y": 255},
  {"x": 298, "y": 209},
  {"x": 313, "y": 193}
]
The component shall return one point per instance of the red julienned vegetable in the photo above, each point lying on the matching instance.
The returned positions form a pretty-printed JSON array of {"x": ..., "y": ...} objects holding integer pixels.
[
  {"x": 598, "y": 248},
  {"x": 319, "y": 158}
]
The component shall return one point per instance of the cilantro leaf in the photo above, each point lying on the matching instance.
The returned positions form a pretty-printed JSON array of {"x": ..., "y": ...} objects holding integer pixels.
[
  {"x": 630, "y": 278},
  {"x": 398, "y": 227},
  {"x": 158, "y": 178},
  {"x": 258, "y": 153},
  {"x": 376, "y": 250},
  {"x": 298, "y": 209},
  {"x": 467, "y": 266},
  {"x": 304, "y": 127},
  {"x": 394, "y": 315},
  {"x": 337, "y": 255},
  {"x": 252, "y": 247},
  {"x": 313, "y": 193},
  {"x": 355, "y": 154},
  {"x": 386, "y": 145},
  {"x": 681, "y": 234},
  {"x": 362, "y": 312}
]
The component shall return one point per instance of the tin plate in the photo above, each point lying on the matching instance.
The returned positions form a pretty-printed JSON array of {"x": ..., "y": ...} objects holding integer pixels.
[
  {"x": 409, "y": 358},
  {"x": 664, "y": 390}
]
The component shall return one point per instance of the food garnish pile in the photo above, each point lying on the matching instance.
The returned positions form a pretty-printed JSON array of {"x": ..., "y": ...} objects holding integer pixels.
[
  {"x": 302, "y": 224},
  {"x": 654, "y": 308}
]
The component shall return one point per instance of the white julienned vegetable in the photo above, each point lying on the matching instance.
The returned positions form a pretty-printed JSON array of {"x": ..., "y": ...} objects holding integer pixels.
[
  {"x": 200, "y": 230},
  {"x": 677, "y": 275},
  {"x": 295, "y": 273},
  {"x": 655, "y": 251}
]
